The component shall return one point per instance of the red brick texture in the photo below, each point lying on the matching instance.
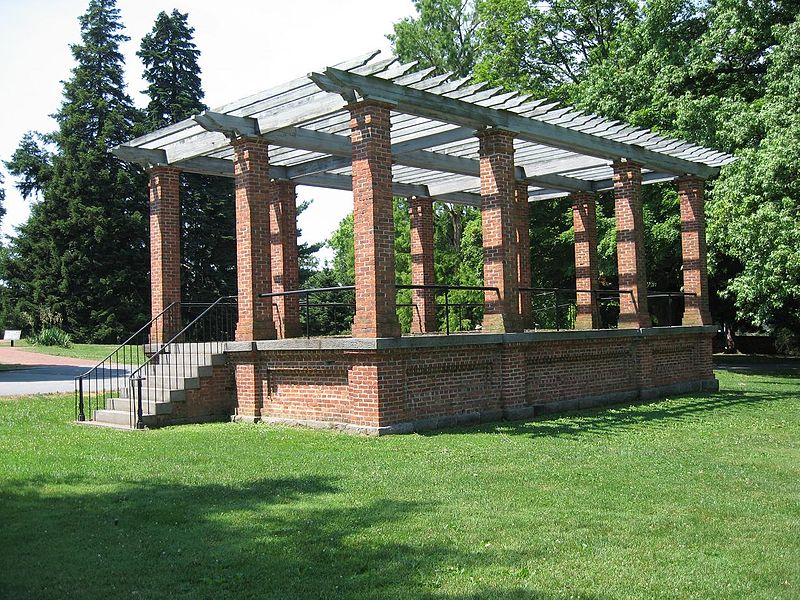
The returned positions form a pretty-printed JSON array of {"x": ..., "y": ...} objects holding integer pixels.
[
  {"x": 284, "y": 259},
  {"x": 693, "y": 245},
  {"x": 634, "y": 312},
  {"x": 212, "y": 401},
  {"x": 253, "y": 199},
  {"x": 423, "y": 387},
  {"x": 165, "y": 250},
  {"x": 499, "y": 226},
  {"x": 587, "y": 272},
  {"x": 523, "y": 240},
  {"x": 373, "y": 222},
  {"x": 422, "y": 267}
]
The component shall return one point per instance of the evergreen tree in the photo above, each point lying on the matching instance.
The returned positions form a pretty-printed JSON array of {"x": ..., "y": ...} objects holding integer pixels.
[
  {"x": 81, "y": 253},
  {"x": 208, "y": 244}
]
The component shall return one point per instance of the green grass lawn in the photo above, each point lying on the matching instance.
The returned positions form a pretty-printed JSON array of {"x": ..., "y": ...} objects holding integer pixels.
[
  {"x": 89, "y": 351},
  {"x": 693, "y": 497}
]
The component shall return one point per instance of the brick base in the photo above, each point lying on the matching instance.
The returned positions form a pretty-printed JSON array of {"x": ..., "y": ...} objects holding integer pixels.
[{"x": 410, "y": 384}]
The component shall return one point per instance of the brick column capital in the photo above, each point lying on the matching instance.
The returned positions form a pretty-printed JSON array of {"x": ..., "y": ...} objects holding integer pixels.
[
  {"x": 634, "y": 311},
  {"x": 373, "y": 221}
]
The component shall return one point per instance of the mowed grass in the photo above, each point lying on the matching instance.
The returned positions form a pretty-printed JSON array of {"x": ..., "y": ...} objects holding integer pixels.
[
  {"x": 96, "y": 352},
  {"x": 692, "y": 497}
]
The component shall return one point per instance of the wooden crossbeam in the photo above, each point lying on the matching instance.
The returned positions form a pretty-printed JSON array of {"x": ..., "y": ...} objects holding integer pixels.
[{"x": 449, "y": 110}]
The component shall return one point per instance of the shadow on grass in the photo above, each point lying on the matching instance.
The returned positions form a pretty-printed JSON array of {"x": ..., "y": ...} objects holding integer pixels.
[
  {"x": 619, "y": 418},
  {"x": 274, "y": 538}
]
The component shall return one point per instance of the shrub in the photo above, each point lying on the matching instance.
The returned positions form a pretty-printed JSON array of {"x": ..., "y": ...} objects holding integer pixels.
[{"x": 52, "y": 336}]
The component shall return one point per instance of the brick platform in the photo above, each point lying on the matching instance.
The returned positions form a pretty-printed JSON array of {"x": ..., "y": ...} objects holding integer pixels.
[{"x": 381, "y": 386}]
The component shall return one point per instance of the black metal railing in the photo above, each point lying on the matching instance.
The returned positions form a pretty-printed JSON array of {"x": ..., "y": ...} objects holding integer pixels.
[
  {"x": 110, "y": 377},
  {"x": 171, "y": 363},
  {"x": 555, "y": 308},
  {"x": 307, "y": 303}
]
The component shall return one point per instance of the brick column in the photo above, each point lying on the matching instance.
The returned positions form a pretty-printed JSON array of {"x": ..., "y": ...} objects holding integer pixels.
[
  {"x": 283, "y": 252},
  {"x": 253, "y": 190},
  {"x": 422, "y": 267},
  {"x": 165, "y": 251},
  {"x": 498, "y": 225},
  {"x": 523, "y": 240},
  {"x": 373, "y": 222},
  {"x": 587, "y": 273},
  {"x": 633, "y": 312},
  {"x": 693, "y": 246}
]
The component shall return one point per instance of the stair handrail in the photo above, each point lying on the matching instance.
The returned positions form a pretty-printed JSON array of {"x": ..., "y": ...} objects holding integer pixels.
[
  {"x": 135, "y": 378},
  {"x": 79, "y": 378}
]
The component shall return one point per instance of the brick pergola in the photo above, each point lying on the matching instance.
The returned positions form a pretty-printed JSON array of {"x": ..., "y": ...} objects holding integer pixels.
[{"x": 381, "y": 129}]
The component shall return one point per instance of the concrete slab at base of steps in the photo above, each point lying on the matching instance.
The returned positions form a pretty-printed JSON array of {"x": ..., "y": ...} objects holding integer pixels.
[
  {"x": 129, "y": 405},
  {"x": 122, "y": 418}
]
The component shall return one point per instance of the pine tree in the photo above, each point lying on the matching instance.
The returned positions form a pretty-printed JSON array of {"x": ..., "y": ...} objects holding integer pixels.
[
  {"x": 81, "y": 253},
  {"x": 208, "y": 245}
]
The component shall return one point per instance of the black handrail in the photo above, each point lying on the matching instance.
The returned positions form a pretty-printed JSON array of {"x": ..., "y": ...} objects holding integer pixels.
[
  {"x": 307, "y": 304},
  {"x": 113, "y": 357},
  {"x": 201, "y": 349}
]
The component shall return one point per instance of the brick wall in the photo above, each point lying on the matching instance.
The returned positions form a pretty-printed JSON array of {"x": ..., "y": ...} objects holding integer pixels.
[
  {"x": 253, "y": 270},
  {"x": 693, "y": 247},
  {"x": 373, "y": 222},
  {"x": 587, "y": 272},
  {"x": 165, "y": 250},
  {"x": 423, "y": 387},
  {"x": 630, "y": 245},
  {"x": 423, "y": 319},
  {"x": 499, "y": 227},
  {"x": 213, "y": 401},
  {"x": 285, "y": 269}
]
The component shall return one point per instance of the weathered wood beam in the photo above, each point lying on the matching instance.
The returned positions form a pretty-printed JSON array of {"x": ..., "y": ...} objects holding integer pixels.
[
  {"x": 141, "y": 156},
  {"x": 426, "y": 104}
]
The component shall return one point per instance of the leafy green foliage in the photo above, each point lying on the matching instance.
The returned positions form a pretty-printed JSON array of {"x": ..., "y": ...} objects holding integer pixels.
[
  {"x": 442, "y": 36},
  {"x": 51, "y": 336},
  {"x": 81, "y": 253}
]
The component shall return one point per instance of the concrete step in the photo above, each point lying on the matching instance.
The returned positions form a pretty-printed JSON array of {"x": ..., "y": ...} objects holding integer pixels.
[
  {"x": 157, "y": 394},
  {"x": 169, "y": 380},
  {"x": 128, "y": 405},
  {"x": 191, "y": 359},
  {"x": 178, "y": 370},
  {"x": 121, "y": 418}
]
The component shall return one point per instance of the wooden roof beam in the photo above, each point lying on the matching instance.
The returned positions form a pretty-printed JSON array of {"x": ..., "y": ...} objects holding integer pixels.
[{"x": 449, "y": 110}]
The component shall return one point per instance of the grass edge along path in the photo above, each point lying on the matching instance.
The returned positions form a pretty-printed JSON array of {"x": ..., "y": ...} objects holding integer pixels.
[{"x": 691, "y": 497}]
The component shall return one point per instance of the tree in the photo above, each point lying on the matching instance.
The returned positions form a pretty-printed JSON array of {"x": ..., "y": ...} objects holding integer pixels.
[
  {"x": 442, "y": 36},
  {"x": 208, "y": 244},
  {"x": 755, "y": 206},
  {"x": 81, "y": 253}
]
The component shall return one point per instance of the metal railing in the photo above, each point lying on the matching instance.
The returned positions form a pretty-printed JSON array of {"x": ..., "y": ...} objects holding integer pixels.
[
  {"x": 109, "y": 377},
  {"x": 557, "y": 309},
  {"x": 306, "y": 302},
  {"x": 175, "y": 360}
]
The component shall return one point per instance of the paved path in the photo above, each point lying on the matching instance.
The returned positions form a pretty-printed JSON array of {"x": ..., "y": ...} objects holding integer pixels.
[{"x": 41, "y": 373}]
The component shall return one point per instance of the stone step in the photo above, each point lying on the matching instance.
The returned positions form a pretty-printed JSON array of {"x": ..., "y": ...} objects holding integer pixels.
[
  {"x": 168, "y": 380},
  {"x": 157, "y": 394},
  {"x": 128, "y": 405},
  {"x": 122, "y": 418},
  {"x": 178, "y": 370},
  {"x": 190, "y": 359}
]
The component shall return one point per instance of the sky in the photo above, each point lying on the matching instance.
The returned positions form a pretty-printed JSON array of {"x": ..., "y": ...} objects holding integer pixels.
[{"x": 246, "y": 46}]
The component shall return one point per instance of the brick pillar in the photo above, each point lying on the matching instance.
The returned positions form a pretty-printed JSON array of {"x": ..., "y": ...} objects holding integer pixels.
[
  {"x": 284, "y": 263},
  {"x": 165, "y": 251},
  {"x": 587, "y": 272},
  {"x": 633, "y": 312},
  {"x": 422, "y": 266},
  {"x": 253, "y": 190},
  {"x": 373, "y": 222},
  {"x": 249, "y": 387},
  {"x": 498, "y": 225},
  {"x": 523, "y": 240},
  {"x": 693, "y": 246}
]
